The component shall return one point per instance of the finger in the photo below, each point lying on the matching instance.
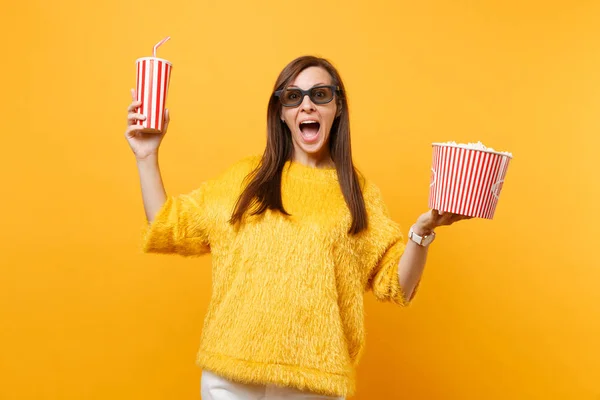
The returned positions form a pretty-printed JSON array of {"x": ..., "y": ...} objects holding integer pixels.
[
  {"x": 134, "y": 106},
  {"x": 135, "y": 117},
  {"x": 459, "y": 217},
  {"x": 133, "y": 94},
  {"x": 456, "y": 218},
  {"x": 133, "y": 130},
  {"x": 447, "y": 218}
]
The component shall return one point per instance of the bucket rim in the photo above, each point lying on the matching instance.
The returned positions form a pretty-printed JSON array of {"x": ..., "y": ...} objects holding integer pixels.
[{"x": 470, "y": 148}]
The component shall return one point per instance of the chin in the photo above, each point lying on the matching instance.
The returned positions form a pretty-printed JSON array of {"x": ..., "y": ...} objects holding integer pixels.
[{"x": 312, "y": 149}]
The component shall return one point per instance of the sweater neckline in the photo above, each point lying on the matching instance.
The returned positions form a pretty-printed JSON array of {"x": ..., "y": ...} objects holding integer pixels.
[{"x": 296, "y": 169}]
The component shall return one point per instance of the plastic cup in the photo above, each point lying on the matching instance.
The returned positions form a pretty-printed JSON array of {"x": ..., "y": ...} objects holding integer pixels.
[{"x": 153, "y": 76}]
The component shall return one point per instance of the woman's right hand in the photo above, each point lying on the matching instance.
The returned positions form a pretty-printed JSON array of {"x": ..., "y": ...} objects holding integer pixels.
[{"x": 142, "y": 144}]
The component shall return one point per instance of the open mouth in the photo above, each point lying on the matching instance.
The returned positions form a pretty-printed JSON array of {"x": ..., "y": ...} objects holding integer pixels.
[{"x": 310, "y": 130}]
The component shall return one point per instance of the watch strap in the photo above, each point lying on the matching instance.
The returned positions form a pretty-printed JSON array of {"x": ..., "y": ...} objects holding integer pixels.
[{"x": 424, "y": 240}]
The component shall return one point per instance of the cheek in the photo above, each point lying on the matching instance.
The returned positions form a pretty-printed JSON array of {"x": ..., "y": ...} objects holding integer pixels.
[
  {"x": 287, "y": 118},
  {"x": 330, "y": 116}
]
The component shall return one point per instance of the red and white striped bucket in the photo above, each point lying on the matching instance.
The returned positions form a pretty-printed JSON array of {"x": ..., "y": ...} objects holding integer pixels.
[
  {"x": 153, "y": 75},
  {"x": 465, "y": 180}
]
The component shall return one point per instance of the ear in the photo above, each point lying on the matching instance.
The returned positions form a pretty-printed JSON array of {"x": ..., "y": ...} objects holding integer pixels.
[{"x": 339, "y": 110}]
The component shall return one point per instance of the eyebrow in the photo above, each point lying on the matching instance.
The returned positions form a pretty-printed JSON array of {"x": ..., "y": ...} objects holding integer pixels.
[{"x": 317, "y": 84}]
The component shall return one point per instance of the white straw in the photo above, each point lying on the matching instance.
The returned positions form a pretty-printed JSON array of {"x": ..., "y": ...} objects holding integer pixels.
[{"x": 157, "y": 45}]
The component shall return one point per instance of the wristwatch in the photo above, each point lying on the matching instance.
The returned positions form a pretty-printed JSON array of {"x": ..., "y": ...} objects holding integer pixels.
[{"x": 421, "y": 240}]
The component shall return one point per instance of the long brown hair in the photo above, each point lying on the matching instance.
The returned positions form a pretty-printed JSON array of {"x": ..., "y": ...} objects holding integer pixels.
[{"x": 263, "y": 190}]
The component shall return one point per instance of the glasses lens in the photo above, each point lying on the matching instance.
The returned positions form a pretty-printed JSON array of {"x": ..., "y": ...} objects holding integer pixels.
[
  {"x": 291, "y": 97},
  {"x": 321, "y": 95}
]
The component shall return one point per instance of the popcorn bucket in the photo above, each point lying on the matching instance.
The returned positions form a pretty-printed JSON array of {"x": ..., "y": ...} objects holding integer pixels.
[
  {"x": 152, "y": 78},
  {"x": 467, "y": 179}
]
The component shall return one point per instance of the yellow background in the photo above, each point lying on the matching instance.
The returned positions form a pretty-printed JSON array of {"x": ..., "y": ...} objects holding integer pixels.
[{"x": 508, "y": 309}]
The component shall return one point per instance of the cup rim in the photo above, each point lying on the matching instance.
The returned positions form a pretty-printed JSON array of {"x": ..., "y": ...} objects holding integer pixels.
[
  {"x": 469, "y": 148},
  {"x": 154, "y": 58}
]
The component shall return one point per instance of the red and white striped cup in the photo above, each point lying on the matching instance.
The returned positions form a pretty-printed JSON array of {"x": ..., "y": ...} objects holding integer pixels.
[
  {"x": 153, "y": 75},
  {"x": 466, "y": 181}
]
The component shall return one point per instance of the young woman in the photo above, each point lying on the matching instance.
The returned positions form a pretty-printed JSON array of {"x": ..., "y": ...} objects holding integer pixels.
[{"x": 297, "y": 236}]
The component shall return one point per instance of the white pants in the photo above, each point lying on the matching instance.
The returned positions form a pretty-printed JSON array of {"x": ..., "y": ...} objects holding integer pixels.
[{"x": 215, "y": 387}]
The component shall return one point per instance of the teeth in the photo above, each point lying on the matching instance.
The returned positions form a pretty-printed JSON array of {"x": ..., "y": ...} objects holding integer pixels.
[{"x": 308, "y": 122}]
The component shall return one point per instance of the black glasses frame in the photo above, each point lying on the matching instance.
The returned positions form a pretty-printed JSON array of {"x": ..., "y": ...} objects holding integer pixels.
[{"x": 309, "y": 93}]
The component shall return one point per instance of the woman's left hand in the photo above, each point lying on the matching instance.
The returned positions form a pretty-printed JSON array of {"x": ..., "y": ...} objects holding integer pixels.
[{"x": 432, "y": 219}]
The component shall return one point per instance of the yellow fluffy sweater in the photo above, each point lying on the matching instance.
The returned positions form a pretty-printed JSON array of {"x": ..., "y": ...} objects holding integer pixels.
[{"x": 287, "y": 291}]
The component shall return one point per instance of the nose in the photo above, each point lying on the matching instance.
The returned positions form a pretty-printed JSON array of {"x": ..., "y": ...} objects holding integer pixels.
[{"x": 307, "y": 104}]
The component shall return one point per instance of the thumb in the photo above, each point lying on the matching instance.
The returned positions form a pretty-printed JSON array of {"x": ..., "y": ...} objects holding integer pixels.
[{"x": 167, "y": 119}]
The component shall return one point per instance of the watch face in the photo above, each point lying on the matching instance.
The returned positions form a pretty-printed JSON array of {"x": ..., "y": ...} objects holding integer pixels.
[{"x": 428, "y": 240}]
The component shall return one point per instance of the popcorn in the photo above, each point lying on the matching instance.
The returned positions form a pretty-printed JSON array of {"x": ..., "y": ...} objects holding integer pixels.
[{"x": 476, "y": 146}]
